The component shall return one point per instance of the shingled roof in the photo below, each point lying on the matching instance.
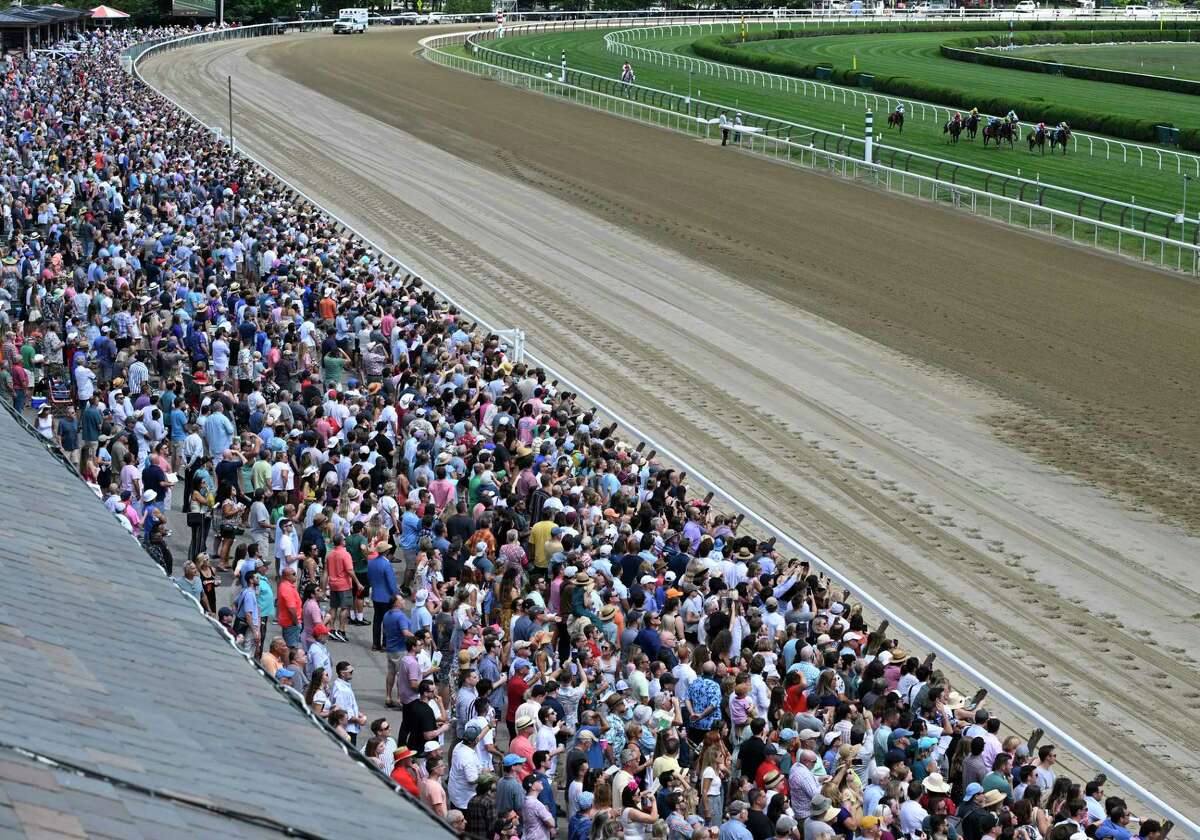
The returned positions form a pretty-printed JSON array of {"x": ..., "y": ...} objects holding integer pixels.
[{"x": 120, "y": 702}]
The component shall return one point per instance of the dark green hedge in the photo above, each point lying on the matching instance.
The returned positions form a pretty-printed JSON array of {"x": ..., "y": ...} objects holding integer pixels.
[
  {"x": 965, "y": 49},
  {"x": 717, "y": 48}
]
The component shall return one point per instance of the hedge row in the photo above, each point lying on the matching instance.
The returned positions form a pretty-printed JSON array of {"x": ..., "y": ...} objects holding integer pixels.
[
  {"x": 966, "y": 49},
  {"x": 717, "y": 48}
]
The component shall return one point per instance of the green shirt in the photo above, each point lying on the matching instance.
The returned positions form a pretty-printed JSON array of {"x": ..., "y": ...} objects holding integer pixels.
[
  {"x": 334, "y": 365},
  {"x": 356, "y": 545}
]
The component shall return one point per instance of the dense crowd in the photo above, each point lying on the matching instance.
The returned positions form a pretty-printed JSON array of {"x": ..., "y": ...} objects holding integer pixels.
[{"x": 574, "y": 640}]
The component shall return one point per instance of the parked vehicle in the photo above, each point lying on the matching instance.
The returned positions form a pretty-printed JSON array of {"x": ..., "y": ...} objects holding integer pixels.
[
  {"x": 350, "y": 22},
  {"x": 1026, "y": 7}
]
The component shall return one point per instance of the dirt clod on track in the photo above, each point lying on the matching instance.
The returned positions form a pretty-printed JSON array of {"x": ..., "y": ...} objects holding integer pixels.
[{"x": 996, "y": 431}]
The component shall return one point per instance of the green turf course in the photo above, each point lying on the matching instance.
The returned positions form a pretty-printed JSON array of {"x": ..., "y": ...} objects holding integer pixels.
[
  {"x": 1181, "y": 61},
  {"x": 916, "y": 54},
  {"x": 1113, "y": 179}
]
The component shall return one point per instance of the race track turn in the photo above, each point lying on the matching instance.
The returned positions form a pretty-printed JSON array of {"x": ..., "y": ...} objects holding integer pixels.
[{"x": 996, "y": 431}]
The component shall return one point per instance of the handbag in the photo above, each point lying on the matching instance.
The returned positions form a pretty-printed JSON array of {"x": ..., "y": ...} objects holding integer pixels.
[{"x": 195, "y": 518}]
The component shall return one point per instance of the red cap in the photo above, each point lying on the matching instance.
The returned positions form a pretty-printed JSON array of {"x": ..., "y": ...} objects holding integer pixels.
[{"x": 320, "y": 630}]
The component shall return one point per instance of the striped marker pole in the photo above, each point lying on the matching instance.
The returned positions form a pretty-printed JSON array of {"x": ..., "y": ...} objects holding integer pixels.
[
  {"x": 563, "y": 76},
  {"x": 868, "y": 150},
  {"x": 500, "y": 22}
]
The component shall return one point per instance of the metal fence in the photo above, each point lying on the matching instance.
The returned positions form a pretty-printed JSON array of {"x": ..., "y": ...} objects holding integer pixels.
[
  {"x": 1089, "y": 205},
  {"x": 827, "y": 152},
  {"x": 620, "y": 43}
]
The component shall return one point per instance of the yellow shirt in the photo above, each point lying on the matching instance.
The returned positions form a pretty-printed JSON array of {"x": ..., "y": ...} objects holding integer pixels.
[
  {"x": 537, "y": 540},
  {"x": 665, "y": 763}
]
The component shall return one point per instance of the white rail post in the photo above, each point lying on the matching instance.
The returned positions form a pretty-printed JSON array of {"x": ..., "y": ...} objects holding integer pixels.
[{"x": 868, "y": 147}]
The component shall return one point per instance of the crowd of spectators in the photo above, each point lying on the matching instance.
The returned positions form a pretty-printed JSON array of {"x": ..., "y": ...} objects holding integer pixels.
[{"x": 575, "y": 641}]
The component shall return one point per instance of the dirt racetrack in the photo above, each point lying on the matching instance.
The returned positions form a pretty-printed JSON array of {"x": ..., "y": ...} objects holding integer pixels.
[{"x": 996, "y": 430}]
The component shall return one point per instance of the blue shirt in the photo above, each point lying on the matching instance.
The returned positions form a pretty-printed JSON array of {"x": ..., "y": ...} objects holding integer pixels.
[
  {"x": 702, "y": 693},
  {"x": 382, "y": 579},
  {"x": 178, "y": 421},
  {"x": 248, "y": 603},
  {"x": 395, "y": 622},
  {"x": 410, "y": 530},
  {"x": 218, "y": 433},
  {"x": 1108, "y": 828},
  {"x": 735, "y": 830},
  {"x": 579, "y": 828}
]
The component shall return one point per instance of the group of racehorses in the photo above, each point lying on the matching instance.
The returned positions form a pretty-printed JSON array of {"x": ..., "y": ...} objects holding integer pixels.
[{"x": 997, "y": 131}]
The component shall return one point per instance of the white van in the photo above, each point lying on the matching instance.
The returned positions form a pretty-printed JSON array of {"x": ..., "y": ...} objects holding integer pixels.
[
  {"x": 350, "y": 22},
  {"x": 1026, "y": 7}
]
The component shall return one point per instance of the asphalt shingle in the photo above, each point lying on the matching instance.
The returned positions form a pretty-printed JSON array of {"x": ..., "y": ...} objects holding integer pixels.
[{"x": 106, "y": 664}]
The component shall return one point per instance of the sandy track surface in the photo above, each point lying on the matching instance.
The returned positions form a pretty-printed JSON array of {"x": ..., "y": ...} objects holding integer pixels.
[{"x": 815, "y": 346}]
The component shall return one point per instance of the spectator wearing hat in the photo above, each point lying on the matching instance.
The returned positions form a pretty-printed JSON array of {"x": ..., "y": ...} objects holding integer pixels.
[
  {"x": 481, "y": 810},
  {"x": 734, "y": 827},
  {"x": 537, "y": 823},
  {"x": 522, "y": 744},
  {"x": 465, "y": 768},
  {"x": 510, "y": 794},
  {"x": 579, "y": 827}
]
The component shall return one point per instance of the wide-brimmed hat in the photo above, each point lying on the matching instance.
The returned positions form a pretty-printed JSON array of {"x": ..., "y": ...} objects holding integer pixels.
[
  {"x": 607, "y": 612},
  {"x": 993, "y": 797},
  {"x": 772, "y": 779},
  {"x": 581, "y": 579},
  {"x": 822, "y": 808},
  {"x": 934, "y": 783},
  {"x": 743, "y": 553},
  {"x": 524, "y": 721},
  {"x": 402, "y": 754}
]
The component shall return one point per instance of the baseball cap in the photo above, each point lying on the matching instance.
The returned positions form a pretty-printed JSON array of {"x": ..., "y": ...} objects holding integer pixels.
[
  {"x": 471, "y": 732},
  {"x": 784, "y": 824},
  {"x": 320, "y": 630},
  {"x": 788, "y": 735},
  {"x": 284, "y": 673},
  {"x": 868, "y": 822},
  {"x": 585, "y": 800},
  {"x": 973, "y": 789},
  {"x": 521, "y": 663},
  {"x": 926, "y": 743},
  {"x": 512, "y": 760}
]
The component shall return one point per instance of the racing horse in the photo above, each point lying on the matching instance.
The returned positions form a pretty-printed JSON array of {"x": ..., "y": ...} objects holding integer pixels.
[
  {"x": 1037, "y": 138},
  {"x": 1000, "y": 131},
  {"x": 953, "y": 128},
  {"x": 971, "y": 126},
  {"x": 1060, "y": 136},
  {"x": 896, "y": 121}
]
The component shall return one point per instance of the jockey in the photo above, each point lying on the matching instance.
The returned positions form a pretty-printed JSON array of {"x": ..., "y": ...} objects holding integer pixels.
[
  {"x": 1063, "y": 126},
  {"x": 900, "y": 108},
  {"x": 1041, "y": 128},
  {"x": 1011, "y": 116},
  {"x": 993, "y": 121},
  {"x": 974, "y": 112},
  {"x": 627, "y": 73},
  {"x": 957, "y": 117}
]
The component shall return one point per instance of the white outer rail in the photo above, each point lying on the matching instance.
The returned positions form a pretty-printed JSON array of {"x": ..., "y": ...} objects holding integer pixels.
[
  {"x": 619, "y": 43},
  {"x": 1191, "y": 226},
  {"x": 429, "y": 47}
]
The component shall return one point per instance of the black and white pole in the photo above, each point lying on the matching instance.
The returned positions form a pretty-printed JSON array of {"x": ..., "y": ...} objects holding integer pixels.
[
  {"x": 869, "y": 145},
  {"x": 500, "y": 23},
  {"x": 563, "y": 76}
]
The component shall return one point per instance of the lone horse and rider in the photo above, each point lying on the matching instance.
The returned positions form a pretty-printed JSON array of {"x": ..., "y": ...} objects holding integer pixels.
[{"x": 896, "y": 118}]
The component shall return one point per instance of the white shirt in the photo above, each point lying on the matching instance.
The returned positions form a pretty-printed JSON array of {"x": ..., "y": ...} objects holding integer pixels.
[
  {"x": 343, "y": 697},
  {"x": 912, "y": 815},
  {"x": 465, "y": 767},
  {"x": 543, "y": 739},
  {"x": 85, "y": 383}
]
